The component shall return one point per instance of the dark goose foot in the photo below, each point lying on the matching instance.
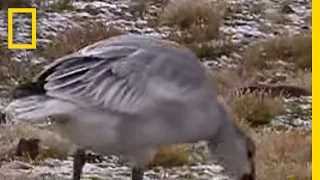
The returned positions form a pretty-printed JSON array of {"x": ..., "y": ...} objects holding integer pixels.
[
  {"x": 79, "y": 159},
  {"x": 137, "y": 173}
]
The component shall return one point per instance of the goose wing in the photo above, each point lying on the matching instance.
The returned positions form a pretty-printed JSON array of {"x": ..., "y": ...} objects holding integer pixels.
[{"x": 122, "y": 75}]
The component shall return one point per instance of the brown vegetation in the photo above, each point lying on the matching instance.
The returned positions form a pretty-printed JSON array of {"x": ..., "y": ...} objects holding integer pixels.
[
  {"x": 276, "y": 90},
  {"x": 283, "y": 155},
  {"x": 256, "y": 108},
  {"x": 13, "y": 72},
  {"x": 73, "y": 39},
  {"x": 212, "y": 49},
  {"x": 51, "y": 144},
  {"x": 169, "y": 156},
  {"x": 197, "y": 25},
  {"x": 61, "y": 5},
  {"x": 188, "y": 14},
  {"x": 280, "y": 154},
  {"x": 296, "y": 49},
  {"x": 301, "y": 78},
  {"x": 5, "y": 4}
]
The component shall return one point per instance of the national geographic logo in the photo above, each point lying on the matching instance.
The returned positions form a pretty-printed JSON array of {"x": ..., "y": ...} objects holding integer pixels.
[{"x": 33, "y": 12}]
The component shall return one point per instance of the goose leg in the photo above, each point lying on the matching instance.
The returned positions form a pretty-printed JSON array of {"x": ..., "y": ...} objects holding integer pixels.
[
  {"x": 79, "y": 159},
  {"x": 139, "y": 160},
  {"x": 137, "y": 173}
]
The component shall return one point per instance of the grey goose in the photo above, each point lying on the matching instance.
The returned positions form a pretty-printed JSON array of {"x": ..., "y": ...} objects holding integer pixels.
[{"x": 128, "y": 95}]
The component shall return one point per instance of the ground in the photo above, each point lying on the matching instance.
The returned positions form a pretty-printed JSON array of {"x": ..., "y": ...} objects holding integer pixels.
[{"x": 258, "y": 53}]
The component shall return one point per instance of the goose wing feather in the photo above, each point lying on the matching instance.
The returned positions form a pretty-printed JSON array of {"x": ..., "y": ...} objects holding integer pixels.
[{"x": 123, "y": 75}]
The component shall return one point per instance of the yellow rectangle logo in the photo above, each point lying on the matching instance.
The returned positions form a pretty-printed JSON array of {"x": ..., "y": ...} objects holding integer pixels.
[{"x": 33, "y": 12}]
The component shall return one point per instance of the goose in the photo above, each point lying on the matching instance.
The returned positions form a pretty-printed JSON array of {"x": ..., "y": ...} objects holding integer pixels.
[{"x": 129, "y": 94}]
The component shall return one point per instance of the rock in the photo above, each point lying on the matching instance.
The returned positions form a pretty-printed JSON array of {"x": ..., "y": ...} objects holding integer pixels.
[
  {"x": 94, "y": 158},
  {"x": 287, "y": 9}
]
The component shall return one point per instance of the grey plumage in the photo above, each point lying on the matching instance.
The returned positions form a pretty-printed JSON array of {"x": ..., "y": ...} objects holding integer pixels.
[{"x": 131, "y": 93}]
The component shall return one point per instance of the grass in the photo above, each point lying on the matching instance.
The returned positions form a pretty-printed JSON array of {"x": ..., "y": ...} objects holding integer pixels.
[
  {"x": 5, "y": 4},
  {"x": 226, "y": 80},
  {"x": 170, "y": 156},
  {"x": 59, "y": 5},
  {"x": 196, "y": 25},
  {"x": 55, "y": 6},
  {"x": 188, "y": 14},
  {"x": 283, "y": 155},
  {"x": 14, "y": 72},
  {"x": 212, "y": 49},
  {"x": 62, "y": 5},
  {"x": 280, "y": 155},
  {"x": 199, "y": 19},
  {"x": 295, "y": 49},
  {"x": 51, "y": 144},
  {"x": 73, "y": 39},
  {"x": 301, "y": 78},
  {"x": 204, "y": 49},
  {"x": 256, "y": 108}
]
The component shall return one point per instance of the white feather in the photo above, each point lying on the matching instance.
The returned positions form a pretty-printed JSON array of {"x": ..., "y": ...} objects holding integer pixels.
[{"x": 35, "y": 108}]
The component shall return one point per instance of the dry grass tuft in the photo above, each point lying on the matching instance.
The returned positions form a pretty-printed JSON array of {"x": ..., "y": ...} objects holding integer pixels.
[
  {"x": 212, "y": 49},
  {"x": 75, "y": 38},
  {"x": 280, "y": 155},
  {"x": 52, "y": 145},
  {"x": 296, "y": 49},
  {"x": 62, "y": 5},
  {"x": 256, "y": 108},
  {"x": 13, "y": 72},
  {"x": 170, "y": 156},
  {"x": 187, "y": 13},
  {"x": 197, "y": 26},
  {"x": 227, "y": 80},
  {"x": 198, "y": 19},
  {"x": 5, "y": 4},
  {"x": 283, "y": 155},
  {"x": 203, "y": 47},
  {"x": 301, "y": 78}
]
